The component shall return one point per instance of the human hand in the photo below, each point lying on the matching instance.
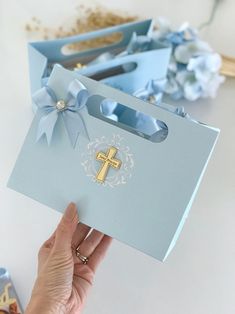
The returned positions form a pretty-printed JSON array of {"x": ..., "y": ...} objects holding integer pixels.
[{"x": 63, "y": 279}]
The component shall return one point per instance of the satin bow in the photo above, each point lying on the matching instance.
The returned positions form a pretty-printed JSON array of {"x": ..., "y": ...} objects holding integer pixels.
[{"x": 69, "y": 109}]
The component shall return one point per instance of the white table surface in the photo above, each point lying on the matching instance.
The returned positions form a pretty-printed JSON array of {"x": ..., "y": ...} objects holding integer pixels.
[{"x": 199, "y": 275}]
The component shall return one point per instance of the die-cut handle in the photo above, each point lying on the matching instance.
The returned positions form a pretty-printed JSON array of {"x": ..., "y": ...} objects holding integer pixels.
[
  {"x": 67, "y": 51},
  {"x": 133, "y": 121},
  {"x": 107, "y": 71},
  {"x": 53, "y": 48}
]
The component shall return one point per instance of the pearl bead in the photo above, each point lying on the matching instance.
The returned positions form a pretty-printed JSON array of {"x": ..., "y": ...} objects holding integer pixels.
[{"x": 60, "y": 105}]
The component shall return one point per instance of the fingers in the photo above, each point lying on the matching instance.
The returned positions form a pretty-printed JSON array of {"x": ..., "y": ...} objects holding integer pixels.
[
  {"x": 83, "y": 272},
  {"x": 99, "y": 252},
  {"x": 66, "y": 228},
  {"x": 88, "y": 246},
  {"x": 69, "y": 233},
  {"x": 80, "y": 234}
]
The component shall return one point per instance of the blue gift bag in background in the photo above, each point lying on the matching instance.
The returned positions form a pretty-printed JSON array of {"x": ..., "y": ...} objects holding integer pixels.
[
  {"x": 9, "y": 302},
  {"x": 126, "y": 64}
]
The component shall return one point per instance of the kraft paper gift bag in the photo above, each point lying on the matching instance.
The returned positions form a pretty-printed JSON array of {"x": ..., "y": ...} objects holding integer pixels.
[
  {"x": 136, "y": 186},
  {"x": 127, "y": 64}
]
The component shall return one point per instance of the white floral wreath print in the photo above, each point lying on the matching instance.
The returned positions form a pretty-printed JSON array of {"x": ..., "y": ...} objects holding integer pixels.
[{"x": 91, "y": 165}]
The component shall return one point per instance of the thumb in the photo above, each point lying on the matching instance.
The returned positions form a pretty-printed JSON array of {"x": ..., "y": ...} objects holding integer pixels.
[{"x": 66, "y": 228}]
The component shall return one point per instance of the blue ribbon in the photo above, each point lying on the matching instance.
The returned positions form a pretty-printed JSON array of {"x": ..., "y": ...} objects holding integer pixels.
[
  {"x": 69, "y": 109},
  {"x": 138, "y": 43},
  {"x": 153, "y": 89}
]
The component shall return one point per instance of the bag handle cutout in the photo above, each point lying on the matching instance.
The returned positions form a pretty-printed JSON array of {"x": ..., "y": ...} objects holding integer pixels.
[{"x": 126, "y": 118}]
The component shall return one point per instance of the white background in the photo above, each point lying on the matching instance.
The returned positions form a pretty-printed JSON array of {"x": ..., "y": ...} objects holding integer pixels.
[{"x": 199, "y": 275}]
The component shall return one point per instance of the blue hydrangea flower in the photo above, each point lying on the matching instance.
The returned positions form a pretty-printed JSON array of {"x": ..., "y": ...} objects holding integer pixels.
[{"x": 194, "y": 67}]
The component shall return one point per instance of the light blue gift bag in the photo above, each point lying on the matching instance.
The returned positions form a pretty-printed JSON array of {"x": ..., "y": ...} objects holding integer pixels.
[
  {"x": 127, "y": 64},
  {"x": 9, "y": 302},
  {"x": 135, "y": 186}
]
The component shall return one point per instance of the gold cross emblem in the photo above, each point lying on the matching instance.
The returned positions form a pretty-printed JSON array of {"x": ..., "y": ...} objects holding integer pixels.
[
  {"x": 5, "y": 298},
  {"x": 108, "y": 161}
]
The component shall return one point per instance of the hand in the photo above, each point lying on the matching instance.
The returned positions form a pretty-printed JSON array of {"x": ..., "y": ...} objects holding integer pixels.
[{"x": 63, "y": 280}]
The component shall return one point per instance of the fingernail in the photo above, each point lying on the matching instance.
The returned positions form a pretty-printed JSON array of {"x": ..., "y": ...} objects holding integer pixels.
[{"x": 70, "y": 211}]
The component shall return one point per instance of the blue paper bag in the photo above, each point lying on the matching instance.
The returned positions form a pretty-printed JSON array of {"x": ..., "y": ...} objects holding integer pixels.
[
  {"x": 135, "y": 186},
  {"x": 127, "y": 72},
  {"x": 9, "y": 302}
]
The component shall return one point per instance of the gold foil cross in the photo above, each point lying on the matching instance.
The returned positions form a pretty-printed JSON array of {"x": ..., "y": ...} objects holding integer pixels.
[
  {"x": 5, "y": 298},
  {"x": 108, "y": 161}
]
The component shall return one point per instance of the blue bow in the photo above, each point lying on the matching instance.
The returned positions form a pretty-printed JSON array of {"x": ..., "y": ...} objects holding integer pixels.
[{"x": 68, "y": 108}]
